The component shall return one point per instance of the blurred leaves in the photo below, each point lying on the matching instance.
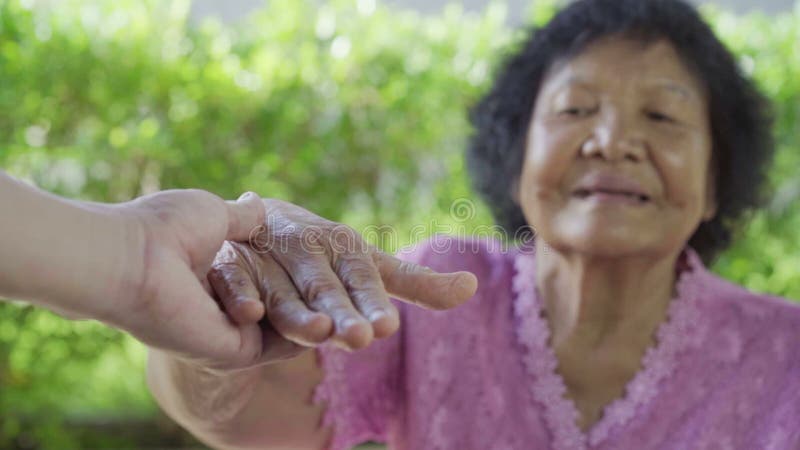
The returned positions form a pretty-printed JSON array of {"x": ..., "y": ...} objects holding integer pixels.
[
  {"x": 766, "y": 257},
  {"x": 349, "y": 108}
]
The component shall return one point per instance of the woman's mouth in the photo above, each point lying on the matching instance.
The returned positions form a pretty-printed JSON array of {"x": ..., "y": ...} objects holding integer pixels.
[
  {"x": 611, "y": 188},
  {"x": 612, "y": 196}
]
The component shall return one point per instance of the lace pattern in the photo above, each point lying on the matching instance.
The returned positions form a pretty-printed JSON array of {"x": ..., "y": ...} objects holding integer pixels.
[
  {"x": 680, "y": 331},
  {"x": 724, "y": 372},
  {"x": 345, "y": 408}
]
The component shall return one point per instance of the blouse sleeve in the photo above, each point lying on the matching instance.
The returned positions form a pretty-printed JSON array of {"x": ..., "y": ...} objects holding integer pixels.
[{"x": 361, "y": 390}]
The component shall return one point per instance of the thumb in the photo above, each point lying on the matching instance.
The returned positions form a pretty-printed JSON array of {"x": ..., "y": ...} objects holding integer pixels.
[
  {"x": 245, "y": 216},
  {"x": 422, "y": 286}
]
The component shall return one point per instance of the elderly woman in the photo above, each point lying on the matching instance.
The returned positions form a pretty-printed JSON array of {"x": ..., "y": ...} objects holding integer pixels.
[{"x": 624, "y": 134}]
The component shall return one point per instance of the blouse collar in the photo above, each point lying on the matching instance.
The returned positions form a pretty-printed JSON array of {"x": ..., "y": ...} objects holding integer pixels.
[{"x": 681, "y": 331}]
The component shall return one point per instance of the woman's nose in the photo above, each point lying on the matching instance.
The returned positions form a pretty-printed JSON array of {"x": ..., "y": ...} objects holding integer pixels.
[{"x": 613, "y": 139}]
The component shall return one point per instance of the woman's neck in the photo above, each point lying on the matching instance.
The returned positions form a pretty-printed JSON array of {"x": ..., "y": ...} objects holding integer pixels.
[{"x": 593, "y": 303}]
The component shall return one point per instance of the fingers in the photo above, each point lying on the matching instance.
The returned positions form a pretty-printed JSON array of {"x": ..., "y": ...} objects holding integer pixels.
[
  {"x": 323, "y": 292},
  {"x": 242, "y": 280},
  {"x": 235, "y": 287},
  {"x": 422, "y": 286},
  {"x": 287, "y": 312},
  {"x": 361, "y": 279},
  {"x": 245, "y": 215}
]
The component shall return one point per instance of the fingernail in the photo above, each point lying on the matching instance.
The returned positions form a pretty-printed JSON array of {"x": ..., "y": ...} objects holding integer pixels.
[
  {"x": 245, "y": 197},
  {"x": 243, "y": 301},
  {"x": 347, "y": 323},
  {"x": 341, "y": 346},
  {"x": 376, "y": 316}
]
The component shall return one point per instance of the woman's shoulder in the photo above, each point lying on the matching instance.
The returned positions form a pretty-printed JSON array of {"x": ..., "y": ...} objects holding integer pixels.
[
  {"x": 768, "y": 324},
  {"x": 748, "y": 304}
]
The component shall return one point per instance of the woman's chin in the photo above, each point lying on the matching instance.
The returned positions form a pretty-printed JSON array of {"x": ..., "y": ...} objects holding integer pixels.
[{"x": 601, "y": 243}]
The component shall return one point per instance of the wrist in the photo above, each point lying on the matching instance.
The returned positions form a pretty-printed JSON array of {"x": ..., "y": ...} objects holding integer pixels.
[
  {"x": 193, "y": 394},
  {"x": 107, "y": 259},
  {"x": 122, "y": 244}
]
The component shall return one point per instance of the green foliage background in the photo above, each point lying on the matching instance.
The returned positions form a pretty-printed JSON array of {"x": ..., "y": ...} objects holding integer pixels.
[{"x": 354, "y": 111}]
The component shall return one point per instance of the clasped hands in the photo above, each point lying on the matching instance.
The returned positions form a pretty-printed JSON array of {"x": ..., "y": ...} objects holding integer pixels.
[
  {"x": 302, "y": 280},
  {"x": 284, "y": 281}
]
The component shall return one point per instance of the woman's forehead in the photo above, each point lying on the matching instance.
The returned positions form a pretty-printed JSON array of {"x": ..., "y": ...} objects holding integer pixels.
[{"x": 626, "y": 62}]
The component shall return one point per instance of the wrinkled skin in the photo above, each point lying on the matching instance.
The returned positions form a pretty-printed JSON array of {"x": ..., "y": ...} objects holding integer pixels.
[
  {"x": 301, "y": 281},
  {"x": 319, "y": 280},
  {"x": 616, "y": 178},
  {"x": 618, "y": 111},
  {"x": 625, "y": 110}
]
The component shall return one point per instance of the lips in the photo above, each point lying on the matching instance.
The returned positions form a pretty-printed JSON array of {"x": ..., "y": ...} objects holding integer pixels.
[{"x": 611, "y": 187}]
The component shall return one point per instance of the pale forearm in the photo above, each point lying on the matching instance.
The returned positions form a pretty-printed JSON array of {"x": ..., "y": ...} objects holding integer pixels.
[{"x": 63, "y": 254}]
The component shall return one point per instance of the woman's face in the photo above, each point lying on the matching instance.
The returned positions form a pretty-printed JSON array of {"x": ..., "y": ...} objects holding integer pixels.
[{"x": 618, "y": 152}]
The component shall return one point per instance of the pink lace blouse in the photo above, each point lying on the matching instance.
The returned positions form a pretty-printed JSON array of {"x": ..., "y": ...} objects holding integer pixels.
[{"x": 724, "y": 374}]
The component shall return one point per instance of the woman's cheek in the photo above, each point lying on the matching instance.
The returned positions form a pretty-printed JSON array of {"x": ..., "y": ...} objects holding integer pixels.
[
  {"x": 550, "y": 156},
  {"x": 683, "y": 175}
]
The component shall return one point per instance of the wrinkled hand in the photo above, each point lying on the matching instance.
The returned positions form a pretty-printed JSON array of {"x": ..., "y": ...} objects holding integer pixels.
[
  {"x": 168, "y": 305},
  {"x": 307, "y": 279}
]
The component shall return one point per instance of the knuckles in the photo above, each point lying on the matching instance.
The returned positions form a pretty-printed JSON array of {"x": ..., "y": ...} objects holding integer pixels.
[
  {"x": 316, "y": 287},
  {"x": 356, "y": 274}
]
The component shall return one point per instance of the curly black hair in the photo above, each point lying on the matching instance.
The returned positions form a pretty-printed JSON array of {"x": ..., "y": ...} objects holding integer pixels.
[{"x": 740, "y": 116}]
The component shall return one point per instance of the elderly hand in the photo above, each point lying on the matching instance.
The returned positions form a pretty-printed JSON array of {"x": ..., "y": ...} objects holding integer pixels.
[{"x": 312, "y": 279}]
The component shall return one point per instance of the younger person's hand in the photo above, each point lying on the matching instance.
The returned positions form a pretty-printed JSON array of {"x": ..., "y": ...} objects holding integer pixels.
[{"x": 176, "y": 236}]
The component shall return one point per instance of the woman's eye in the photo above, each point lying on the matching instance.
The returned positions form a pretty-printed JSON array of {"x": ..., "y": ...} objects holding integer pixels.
[
  {"x": 659, "y": 117},
  {"x": 575, "y": 112}
]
